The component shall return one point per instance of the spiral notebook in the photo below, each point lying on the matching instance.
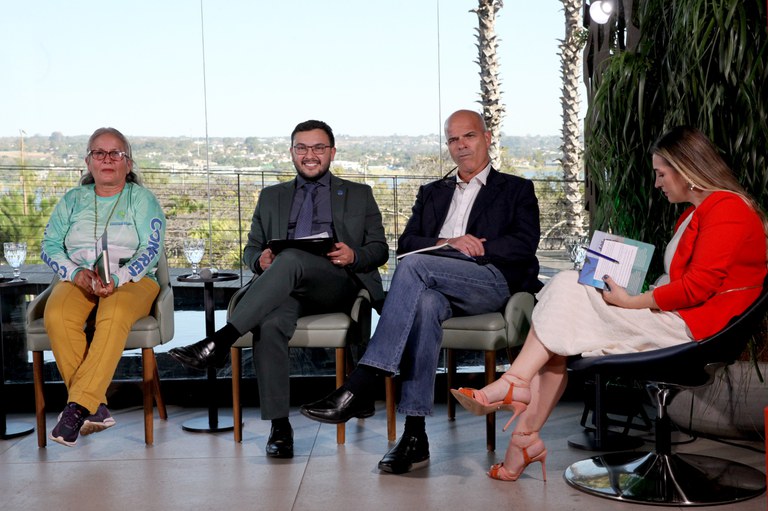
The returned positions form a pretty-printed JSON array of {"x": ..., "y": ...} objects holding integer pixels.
[{"x": 624, "y": 259}]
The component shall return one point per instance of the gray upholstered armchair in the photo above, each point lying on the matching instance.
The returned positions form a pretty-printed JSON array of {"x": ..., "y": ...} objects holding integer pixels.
[
  {"x": 336, "y": 330},
  {"x": 146, "y": 333}
]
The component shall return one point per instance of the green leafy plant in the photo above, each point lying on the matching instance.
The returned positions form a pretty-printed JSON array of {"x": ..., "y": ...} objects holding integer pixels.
[{"x": 697, "y": 62}]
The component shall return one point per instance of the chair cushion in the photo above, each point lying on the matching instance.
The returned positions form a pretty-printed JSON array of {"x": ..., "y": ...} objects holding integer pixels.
[
  {"x": 37, "y": 337},
  {"x": 485, "y": 332},
  {"x": 317, "y": 331},
  {"x": 145, "y": 333}
]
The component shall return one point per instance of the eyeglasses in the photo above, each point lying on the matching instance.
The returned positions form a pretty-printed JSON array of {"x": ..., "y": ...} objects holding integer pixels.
[
  {"x": 113, "y": 155},
  {"x": 302, "y": 149}
]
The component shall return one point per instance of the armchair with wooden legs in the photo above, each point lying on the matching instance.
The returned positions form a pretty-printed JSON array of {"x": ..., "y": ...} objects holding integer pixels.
[
  {"x": 489, "y": 333},
  {"x": 146, "y": 333},
  {"x": 337, "y": 330}
]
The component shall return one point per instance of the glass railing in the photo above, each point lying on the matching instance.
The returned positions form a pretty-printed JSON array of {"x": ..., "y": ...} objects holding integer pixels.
[{"x": 217, "y": 206}]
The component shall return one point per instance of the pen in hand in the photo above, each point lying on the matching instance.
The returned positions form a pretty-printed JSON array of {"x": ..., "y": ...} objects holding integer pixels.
[{"x": 598, "y": 254}]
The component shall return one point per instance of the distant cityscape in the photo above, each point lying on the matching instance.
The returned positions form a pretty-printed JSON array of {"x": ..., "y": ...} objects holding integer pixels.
[
  {"x": 534, "y": 155},
  {"x": 219, "y": 203}
]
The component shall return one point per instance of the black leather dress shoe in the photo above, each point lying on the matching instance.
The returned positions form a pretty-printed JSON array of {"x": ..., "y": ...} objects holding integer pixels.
[
  {"x": 339, "y": 406},
  {"x": 409, "y": 451},
  {"x": 199, "y": 355},
  {"x": 280, "y": 443}
]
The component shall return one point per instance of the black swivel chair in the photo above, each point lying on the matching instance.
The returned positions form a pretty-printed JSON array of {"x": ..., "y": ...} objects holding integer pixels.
[{"x": 662, "y": 477}]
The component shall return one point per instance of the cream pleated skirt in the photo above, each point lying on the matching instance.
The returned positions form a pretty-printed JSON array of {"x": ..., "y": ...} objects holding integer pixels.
[{"x": 573, "y": 319}]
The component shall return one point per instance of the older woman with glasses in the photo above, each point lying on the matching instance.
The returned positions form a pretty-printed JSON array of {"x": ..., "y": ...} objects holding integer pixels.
[{"x": 103, "y": 240}]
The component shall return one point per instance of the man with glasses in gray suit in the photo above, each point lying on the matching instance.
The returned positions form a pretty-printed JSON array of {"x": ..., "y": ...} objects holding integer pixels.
[{"x": 294, "y": 282}]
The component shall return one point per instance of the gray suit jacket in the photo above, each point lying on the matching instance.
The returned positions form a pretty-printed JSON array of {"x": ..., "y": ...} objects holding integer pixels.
[{"x": 356, "y": 222}]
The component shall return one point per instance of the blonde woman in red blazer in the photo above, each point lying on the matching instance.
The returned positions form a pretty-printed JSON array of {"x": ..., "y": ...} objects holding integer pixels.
[
  {"x": 719, "y": 265},
  {"x": 715, "y": 264}
]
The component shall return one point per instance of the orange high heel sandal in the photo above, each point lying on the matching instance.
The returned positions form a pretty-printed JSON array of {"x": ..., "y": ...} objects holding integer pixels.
[
  {"x": 476, "y": 402},
  {"x": 500, "y": 472}
]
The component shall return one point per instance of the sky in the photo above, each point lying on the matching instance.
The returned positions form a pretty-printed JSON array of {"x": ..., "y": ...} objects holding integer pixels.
[{"x": 368, "y": 68}]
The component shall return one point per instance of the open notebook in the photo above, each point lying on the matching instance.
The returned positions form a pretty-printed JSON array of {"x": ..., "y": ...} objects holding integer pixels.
[{"x": 624, "y": 259}]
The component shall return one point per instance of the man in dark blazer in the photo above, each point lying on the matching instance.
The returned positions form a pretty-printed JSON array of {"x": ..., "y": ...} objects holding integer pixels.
[
  {"x": 295, "y": 282},
  {"x": 492, "y": 222}
]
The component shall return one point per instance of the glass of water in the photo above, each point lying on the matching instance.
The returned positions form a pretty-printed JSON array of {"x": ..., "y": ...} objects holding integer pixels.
[
  {"x": 15, "y": 253},
  {"x": 193, "y": 251},
  {"x": 576, "y": 247}
]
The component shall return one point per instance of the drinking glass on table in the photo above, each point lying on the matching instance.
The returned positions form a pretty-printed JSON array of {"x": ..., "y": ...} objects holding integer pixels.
[
  {"x": 193, "y": 251},
  {"x": 15, "y": 253},
  {"x": 576, "y": 247}
]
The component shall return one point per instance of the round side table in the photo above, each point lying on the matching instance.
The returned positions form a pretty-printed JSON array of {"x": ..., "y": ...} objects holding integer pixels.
[
  {"x": 8, "y": 429},
  {"x": 212, "y": 423}
]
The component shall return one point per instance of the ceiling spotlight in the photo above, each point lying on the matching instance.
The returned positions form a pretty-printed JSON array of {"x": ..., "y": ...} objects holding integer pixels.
[{"x": 600, "y": 11}]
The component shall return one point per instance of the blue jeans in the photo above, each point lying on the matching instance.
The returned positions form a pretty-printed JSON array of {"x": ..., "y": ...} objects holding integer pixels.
[{"x": 425, "y": 291}]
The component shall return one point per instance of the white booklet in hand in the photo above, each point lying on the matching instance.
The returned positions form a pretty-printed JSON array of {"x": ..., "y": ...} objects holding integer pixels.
[
  {"x": 443, "y": 250},
  {"x": 101, "y": 266}
]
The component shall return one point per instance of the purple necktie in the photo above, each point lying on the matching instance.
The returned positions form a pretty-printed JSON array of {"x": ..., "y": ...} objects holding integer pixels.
[{"x": 306, "y": 212}]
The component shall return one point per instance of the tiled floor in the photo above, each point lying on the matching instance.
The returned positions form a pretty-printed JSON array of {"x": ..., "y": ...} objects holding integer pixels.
[{"x": 114, "y": 470}]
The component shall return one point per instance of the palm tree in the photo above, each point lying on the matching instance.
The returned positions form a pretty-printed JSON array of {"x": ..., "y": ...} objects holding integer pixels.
[
  {"x": 490, "y": 90},
  {"x": 570, "y": 64}
]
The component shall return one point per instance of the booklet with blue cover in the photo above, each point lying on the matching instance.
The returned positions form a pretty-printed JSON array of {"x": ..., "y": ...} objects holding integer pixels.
[{"x": 625, "y": 260}]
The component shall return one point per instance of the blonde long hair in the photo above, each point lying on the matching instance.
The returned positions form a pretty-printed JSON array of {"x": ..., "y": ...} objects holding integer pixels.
[{"x": 695, "y": 157}]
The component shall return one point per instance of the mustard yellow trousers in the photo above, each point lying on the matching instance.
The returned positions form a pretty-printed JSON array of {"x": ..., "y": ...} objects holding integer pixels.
[{"x": 87, "y": 369}]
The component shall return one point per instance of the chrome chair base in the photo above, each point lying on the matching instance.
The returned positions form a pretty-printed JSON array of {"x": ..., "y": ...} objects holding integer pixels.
[
  {"x": 608, "y": 441},
  {"x": 666, "y": 480}
]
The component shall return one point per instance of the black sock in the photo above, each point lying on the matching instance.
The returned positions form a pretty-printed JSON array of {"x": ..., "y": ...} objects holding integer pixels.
[
  {"x": 83, "y": 410},
  {"x": 225, "y": 336},
  {"x": 281, "y": 423},
  {"x": 415, "y": 425},
  {"x": 363, "y": 381}
]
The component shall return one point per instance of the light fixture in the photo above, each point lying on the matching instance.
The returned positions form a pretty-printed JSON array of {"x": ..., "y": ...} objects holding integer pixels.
[{"x": 600, "y": 11}]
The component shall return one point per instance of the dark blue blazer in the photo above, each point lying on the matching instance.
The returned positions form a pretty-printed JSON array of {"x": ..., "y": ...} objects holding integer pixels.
[{"x": 505, "y": 213}]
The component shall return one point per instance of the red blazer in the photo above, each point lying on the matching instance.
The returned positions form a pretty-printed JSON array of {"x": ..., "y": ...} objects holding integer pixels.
[{"x": 721, "y": 251}]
